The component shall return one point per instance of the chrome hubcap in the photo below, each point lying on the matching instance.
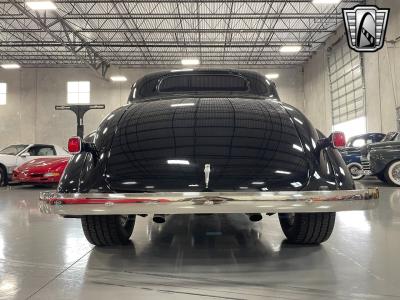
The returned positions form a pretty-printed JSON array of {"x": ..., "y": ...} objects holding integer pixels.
[{"x": 355, "y": 171}]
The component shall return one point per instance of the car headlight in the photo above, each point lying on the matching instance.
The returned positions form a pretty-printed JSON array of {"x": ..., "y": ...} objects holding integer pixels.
[{"x": 51, "y": 174}]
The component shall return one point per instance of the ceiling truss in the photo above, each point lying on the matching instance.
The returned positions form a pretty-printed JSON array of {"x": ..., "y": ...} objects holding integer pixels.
[{"x": 97, "y": 34}]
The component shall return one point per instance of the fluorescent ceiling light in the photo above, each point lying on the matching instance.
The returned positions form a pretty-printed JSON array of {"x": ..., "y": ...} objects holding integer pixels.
[
  {"x": 182, "y": 104},
  {"x": 41, "y": 5},
  {"x": 290, "y": 49},
  {"x": 190, "y": 61},
  {"x": 272, "y": 75},
  {"x": 178, "y": 162},
  {"x": 10, "y": 66},
  {"x": 118, "y": 78},
  {"x": 326, "y": 1},
  {"x": 258, "y": 183}
]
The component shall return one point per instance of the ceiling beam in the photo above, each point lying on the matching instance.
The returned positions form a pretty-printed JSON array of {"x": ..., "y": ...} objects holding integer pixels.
[
  {"x": 174, "y": 30},
  {"x": 185, "y": 16},
  {"x": 175, "y": 1},
  {"x": 97, "y": 33},
  {"x": 82, "y": 50},
  {"x": 164, "y": 44}
]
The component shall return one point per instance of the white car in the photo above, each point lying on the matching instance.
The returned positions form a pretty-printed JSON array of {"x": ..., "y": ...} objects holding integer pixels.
[{"x": 15, "y": 155}]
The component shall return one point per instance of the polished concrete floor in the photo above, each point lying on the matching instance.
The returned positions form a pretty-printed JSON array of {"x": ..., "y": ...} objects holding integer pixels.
[{"x": 198, "y": 257}]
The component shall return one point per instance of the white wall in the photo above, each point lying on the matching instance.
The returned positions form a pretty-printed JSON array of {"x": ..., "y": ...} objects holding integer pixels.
[
  {"x": 317, "y": 106},
  {"x": 29, "y": 115},
  {"x": 382, "y": 76},
  {"x": 382, "y": 79}
]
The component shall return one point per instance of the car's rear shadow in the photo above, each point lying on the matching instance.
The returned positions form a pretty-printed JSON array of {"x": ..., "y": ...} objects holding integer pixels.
[{"x": 196, "y": 242}]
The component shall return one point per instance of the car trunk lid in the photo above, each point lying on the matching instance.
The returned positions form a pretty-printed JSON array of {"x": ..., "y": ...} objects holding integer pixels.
[{"x": 168, "y": 144}]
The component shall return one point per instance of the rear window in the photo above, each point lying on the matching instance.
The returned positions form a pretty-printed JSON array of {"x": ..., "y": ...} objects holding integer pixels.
[{"x": 203, "y": 83}]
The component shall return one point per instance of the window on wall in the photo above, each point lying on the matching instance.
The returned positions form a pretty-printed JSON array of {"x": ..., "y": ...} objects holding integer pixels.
[
  {"x": 347, "y": 90},
  {"x": 3, "y": 93},
  {"x": 78, "y": 92}
]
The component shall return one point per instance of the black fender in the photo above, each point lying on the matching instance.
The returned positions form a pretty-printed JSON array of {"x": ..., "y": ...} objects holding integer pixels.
[
  {"x": 330, "y": 170},
  {"x": 85, "y": 171},
  {"x": 343, "y": 178}
]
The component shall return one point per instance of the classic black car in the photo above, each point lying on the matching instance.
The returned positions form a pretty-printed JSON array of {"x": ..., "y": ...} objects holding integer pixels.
[
  {"x": 383, "y": 159},
  {"x": 200, "y": 142},
  {"x": 352, "y": 152}
]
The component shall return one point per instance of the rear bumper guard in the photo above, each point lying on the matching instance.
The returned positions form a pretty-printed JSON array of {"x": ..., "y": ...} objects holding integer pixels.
[{"x": 207, "y": 202}]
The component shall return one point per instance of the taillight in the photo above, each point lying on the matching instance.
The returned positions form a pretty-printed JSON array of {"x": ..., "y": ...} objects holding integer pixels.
[
  {"x": 75, "y": 145},
  {"x": 338, "y": 139}
]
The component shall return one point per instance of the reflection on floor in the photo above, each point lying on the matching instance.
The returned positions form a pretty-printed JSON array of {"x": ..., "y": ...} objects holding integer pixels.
[{"x": 198, "y": 257}]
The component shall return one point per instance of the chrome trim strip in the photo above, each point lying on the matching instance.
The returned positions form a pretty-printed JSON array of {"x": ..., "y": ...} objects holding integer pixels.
[{"x": 207, "y": 202}]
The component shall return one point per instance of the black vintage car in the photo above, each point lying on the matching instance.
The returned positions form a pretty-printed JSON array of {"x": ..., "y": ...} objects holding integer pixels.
[
  {"x": 200, "y": 142},
  {"x": 383, "y": 159}
]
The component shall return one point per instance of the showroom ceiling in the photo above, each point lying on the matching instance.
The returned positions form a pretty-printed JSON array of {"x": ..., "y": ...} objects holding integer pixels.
[{"x": 150, "y": 32}]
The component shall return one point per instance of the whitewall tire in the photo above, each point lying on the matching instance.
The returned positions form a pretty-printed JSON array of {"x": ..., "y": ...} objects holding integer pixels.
[{"x": 392, "y": 173}]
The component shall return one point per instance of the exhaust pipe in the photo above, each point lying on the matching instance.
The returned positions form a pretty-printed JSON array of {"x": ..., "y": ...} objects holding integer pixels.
[
  {"x": 159, "y": 218},
  {"x": 254, "y": 217}
]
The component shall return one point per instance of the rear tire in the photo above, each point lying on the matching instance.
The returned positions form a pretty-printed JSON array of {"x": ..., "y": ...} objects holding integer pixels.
[
  {"x": 307, "y": 228},
  {"x": 392, "y": 173},
  {"x": 113, "y": 230},
  {"x": 3, "y": 176}
]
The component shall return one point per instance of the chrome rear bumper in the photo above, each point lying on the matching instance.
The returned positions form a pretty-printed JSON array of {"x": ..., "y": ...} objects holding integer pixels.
[{"x": 207, "y": 202}]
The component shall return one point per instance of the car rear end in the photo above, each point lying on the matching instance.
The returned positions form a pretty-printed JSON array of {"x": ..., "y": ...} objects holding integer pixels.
[
  {"x": 205, "y": 155},
  {"x": 202, "y": 152}
]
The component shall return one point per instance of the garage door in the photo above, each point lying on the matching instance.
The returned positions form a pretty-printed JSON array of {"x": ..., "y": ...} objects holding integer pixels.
[{"x": 347, "y": 88}]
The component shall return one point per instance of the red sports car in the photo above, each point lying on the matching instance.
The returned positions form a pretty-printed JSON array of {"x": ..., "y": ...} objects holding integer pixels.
[{"x": 45, "y": 170}]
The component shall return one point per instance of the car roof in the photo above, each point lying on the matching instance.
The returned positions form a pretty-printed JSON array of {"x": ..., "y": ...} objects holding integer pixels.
[
  {"x": 150, "y": 81},
  {"x": 201, "y": 71}
]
